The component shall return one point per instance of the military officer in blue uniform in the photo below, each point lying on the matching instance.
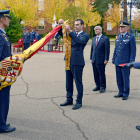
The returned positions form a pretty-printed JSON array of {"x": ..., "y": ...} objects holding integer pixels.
[
  {"x": 37, "y": 35},
  {"x": 124, "y": 52},
  {"x": 27, "y": 40},
  {"x": 32, "y": 35},
  {"x": 23, "y": 35},
  {"x": 5, "y": 51},
  {"x": 136, "y": 65}
]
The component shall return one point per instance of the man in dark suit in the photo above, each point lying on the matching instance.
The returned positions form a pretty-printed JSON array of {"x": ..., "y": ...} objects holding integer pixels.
[
  {"x": 124, "y": 52},
  {"x": 99, "y": 57},
  {"x": 79, "y": 40},
  {"x": 5, "y": 51}
]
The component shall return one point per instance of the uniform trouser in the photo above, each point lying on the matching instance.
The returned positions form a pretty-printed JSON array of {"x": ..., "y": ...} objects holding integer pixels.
[
  {"x": 26, "y": 46},
  {"x": 4, "y": 107},
  {"x": 99, "y": 75},
  {"x": 49, "y": 47},
  {"x": 123, "y": 82},
  {"x": 75, "y": 73}
]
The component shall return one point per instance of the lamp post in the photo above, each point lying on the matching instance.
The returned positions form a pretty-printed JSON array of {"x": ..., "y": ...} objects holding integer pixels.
[
  {"x": 130, "y": 4},
  {"x": 121, "y": 10}
]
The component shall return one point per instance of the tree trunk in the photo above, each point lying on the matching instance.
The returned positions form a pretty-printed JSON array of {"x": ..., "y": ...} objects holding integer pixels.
[
  {"x": 125, "y": 11},
  {"x": 86, "y": 28}
]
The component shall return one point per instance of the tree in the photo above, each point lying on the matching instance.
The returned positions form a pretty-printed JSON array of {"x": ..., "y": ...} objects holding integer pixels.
[
  {"x": 113, "y": 15},
  {"x": 102, "y": 5},
  {"x": 34, "y": 21},
  {"x": 72, "y": 13},
  {"x": 90, "y": 18},
  {"x": 56, "y": 7},
  {"x": 23, "y": 9},
  {"x": 14, "y": 31},
  {"x": 136, "y": 22}
]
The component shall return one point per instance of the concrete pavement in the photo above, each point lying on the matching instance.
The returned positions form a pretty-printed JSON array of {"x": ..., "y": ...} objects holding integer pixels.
[{"x": 38, "y": 91}]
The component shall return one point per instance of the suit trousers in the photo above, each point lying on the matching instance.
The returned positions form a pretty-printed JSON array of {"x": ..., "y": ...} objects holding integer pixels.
[
  {"x": 99, "y": 74},
  {"x": 4, "y": 107},
  {"x": 75, "y": 73},
  {"x": 123, "y": 82}
]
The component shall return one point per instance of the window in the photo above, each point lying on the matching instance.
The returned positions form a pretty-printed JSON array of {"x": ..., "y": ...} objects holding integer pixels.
[
  {"x": 40, "y": 5},
  {"x": 109, "y": 27},
  {"x": 41, "y": 24}
]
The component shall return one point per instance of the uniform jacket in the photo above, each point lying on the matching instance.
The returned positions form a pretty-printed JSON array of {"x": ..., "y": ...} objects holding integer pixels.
[
  {"x": 23, "y": 37},
  {"x": 5, "y": 46},
  {"x": 125, "y": 49},
  {"x": 27, "y": 38},
  {"x": 101, "y": 52},
  {"x": 32, "y": 35},
  {"x": 37, "y": 36},
  {"x": 137, "y": 65}
]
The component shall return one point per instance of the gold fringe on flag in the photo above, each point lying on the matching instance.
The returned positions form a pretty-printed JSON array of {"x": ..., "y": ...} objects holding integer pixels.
[{"x": 67, "y": 43}]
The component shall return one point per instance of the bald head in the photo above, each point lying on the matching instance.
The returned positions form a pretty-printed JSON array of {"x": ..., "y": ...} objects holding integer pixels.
[{"x": 61, "y": 21}]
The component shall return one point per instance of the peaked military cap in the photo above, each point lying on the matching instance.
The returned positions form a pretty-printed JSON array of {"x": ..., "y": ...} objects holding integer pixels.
[
  {"x": 5, "y": 13},
  {"x": 123, "y": 23}
]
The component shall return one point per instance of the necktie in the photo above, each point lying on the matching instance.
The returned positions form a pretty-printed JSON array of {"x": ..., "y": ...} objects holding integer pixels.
[
  {"x": 76, "y": 33},
  {"x": 122, "y": 35},
  {"x": 97, "y": 41}
]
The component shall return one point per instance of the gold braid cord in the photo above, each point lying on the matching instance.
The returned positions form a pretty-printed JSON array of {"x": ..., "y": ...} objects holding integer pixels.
[{"x": 67, "y": 43}]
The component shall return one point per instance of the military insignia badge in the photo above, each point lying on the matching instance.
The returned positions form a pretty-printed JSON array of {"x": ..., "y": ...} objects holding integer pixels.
[{"x": 5, "y": 37}]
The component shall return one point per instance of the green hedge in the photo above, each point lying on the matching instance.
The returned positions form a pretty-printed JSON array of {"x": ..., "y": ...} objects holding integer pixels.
[{"x": 14, "y": 31}]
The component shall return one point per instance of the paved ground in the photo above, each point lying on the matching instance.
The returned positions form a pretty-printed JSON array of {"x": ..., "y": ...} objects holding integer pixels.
[{"x": 38, "y": 91}]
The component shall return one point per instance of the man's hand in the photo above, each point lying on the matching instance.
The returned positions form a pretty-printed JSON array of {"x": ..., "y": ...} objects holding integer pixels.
[
  {"x": 67, "y": 27},
  {"x": 91, "y": 61},
  {"x": 105, "y": 62},
  {"x": 129, "y": 65}
]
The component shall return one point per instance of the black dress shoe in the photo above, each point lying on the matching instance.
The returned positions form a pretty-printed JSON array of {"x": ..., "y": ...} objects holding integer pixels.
[
  {"x": 138, "y": 127},
  {"x": 124, "y": 98},
  {"x": 8, "y": 124},
  {"x": 96, "y": 88},
  {"x": 102, "y": 90},
  {"x": 66, "y": 103},
  {"x": 76, "y": 106},
  {"x": 9, "y": 129},
  {"x": 118, "y": 96}
]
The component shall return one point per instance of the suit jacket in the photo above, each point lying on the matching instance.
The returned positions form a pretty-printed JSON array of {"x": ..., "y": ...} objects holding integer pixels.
[
  {"x": 101, "y": 52},
  {"x": 5, "y": 46},
  {"x": 78, "y": 44},
  {"x": 125, "y": 49}
]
